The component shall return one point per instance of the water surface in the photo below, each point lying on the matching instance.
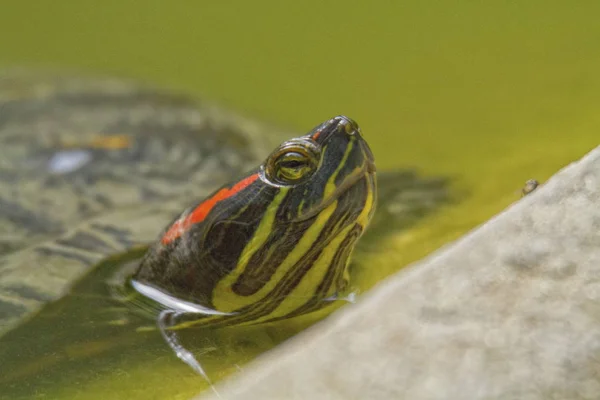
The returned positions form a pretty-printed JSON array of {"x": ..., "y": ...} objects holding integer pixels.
[{"x": 488, "y": 93}]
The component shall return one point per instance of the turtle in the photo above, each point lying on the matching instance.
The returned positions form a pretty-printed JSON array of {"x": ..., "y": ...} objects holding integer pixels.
[{"x": 94, "y": 167}]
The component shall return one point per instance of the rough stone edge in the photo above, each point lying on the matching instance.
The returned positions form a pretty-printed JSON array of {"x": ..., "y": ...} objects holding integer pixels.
[{"x": 265, "y": 377}]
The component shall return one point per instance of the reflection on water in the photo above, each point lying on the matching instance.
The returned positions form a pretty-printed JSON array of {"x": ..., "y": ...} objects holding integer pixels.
[
  {"x": 89, "y": 345},
  {"x": 491, "y": 92}
]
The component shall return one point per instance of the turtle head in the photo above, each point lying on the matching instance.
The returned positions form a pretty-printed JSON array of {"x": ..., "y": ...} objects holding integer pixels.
[
  {"x": 321, "y": 168},
  {"x": 277, "y": 242}
]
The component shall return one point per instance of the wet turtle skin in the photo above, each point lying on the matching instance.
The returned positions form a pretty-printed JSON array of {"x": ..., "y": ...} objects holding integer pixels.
[
  {"x": 94, "y": 167},
  {"x": 90, "y": 167}
]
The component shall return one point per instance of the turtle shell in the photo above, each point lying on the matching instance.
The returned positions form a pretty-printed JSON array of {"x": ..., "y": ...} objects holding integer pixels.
[{"x": 90, "y": 167}]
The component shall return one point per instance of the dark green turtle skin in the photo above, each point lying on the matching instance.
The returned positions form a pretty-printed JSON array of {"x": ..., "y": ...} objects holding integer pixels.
[
  {"x": 274, "y": 244},
  {"x": 93, "y": 168}
]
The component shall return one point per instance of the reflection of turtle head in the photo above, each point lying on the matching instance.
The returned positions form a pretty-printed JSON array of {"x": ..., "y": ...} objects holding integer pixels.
[{"x": 276, "y": 242}]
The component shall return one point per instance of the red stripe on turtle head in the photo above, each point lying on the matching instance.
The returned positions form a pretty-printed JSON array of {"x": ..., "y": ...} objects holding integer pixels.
[{"x": 203, "y": 209}]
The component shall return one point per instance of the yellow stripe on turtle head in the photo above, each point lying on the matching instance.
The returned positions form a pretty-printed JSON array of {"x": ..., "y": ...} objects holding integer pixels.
[{"x": 223, "y": 298}]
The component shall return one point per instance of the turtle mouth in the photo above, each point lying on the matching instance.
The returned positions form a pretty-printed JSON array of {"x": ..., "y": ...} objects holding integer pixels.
[{"x": 368, "y": 172}]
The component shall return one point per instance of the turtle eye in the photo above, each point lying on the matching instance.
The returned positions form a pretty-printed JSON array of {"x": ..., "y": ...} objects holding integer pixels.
[{"x": 291, "y": 165}]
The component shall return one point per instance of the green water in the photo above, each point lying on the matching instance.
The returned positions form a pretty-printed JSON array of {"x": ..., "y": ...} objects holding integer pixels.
[
  {"x": 87, "y": 345},
  {"x": 93, "y": 343},
  {"x": 488, "y": 93},
  {"x": 493, "y": 93}
]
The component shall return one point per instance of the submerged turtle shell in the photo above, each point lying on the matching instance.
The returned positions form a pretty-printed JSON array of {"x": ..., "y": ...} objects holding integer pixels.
[{"x": 90, "y": 167}]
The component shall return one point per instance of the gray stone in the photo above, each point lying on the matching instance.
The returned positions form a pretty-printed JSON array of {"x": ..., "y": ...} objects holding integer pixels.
[{"x": 510, "y": 311}]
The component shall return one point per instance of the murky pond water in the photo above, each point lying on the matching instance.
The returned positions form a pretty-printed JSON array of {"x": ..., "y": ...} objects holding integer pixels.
[
  {"x": 89, "y": 345},
  {"x": 96, "y": 342},
  {"x": 489, "y": 95}
]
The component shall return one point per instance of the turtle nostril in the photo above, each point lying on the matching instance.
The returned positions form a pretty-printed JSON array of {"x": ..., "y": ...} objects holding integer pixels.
[{"x": 350, "y": 126}]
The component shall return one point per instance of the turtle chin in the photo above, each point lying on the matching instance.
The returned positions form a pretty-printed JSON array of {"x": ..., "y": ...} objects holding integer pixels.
[
  {"x": 364, "y": 196},
  {"x": 371, "y": 179}
]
